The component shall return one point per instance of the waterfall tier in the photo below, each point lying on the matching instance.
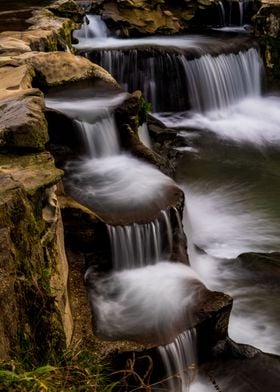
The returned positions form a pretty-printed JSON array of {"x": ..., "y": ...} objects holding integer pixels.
[
  {"x": 204, "y": 83},
  {"x": 121, "y": 189},
  {"x": 180, "y": 360},
  {"x": 152, "y": 304},
  {"x": 139, "y": 245},
  {"x": 199, "y": 73}
]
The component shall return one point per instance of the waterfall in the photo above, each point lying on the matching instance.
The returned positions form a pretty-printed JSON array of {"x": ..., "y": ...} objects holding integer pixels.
[
  {"x": 217, "y": 82},
  {"x": 139, "y": 245},
  {"x": 205, "y": 83},
  {"x": 233, "y": 12},
  {"x": 94, "y": 120},
  {"x": 93, "y": 27},
  {"x": 144, "y": 136},
  {"x": 149, "y": 73},
  {"x": 180, "y": 360},
  {"x": 222, "y": 13},
  {"x": 100, "y": 138}
]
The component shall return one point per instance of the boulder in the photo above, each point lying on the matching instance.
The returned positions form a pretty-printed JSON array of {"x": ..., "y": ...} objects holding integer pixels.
[
  {"x": 23, "y": 125},
  {"x": 14, "y": 78},
  {"x": 57, "y": 68},
  {"x": 67, "y": 9}
]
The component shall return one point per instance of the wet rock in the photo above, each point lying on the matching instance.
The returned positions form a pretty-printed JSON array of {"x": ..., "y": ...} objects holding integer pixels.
[
  {"x": 23, "y": 125},
  {"x": 259, "y": 372}
]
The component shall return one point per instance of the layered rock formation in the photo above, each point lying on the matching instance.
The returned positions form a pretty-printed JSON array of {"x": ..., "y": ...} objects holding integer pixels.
[{"x": 150, "y": 17}]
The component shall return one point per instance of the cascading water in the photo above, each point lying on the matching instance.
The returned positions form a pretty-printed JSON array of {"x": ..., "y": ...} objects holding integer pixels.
[
  {"x": 108, "y": 180},
  {"x": 217, "y": 82},
  {"x": 224, "y": 92},
  {"x": 138, "y": 245},
  {"x": 203, "y": 83},
  {"x": 233, "y": 12},
  {"x": 180, "y": 359}
]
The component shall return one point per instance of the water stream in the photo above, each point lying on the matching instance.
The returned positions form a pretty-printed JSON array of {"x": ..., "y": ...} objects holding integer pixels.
[{"x": 229, "y": 172}]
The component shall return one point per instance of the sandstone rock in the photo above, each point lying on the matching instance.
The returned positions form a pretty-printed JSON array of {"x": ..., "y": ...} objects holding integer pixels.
[
  {"x": 23, "y": 125},
  {"x": 11, "y": 44},
  {"x": 13, "y": 78},
  {"x": 67, "y": 9},
  {"x": 144, "y": 19},
  {"x": 150, "y": 17},
  {"x": 59, "y": 29},
  {"x": 33, "y": 171},
  {"x": 57, "y": 68}
]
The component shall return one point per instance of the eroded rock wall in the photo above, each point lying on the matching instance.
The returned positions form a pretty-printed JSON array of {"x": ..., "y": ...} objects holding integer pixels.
[{"x": 149, "y": 17}]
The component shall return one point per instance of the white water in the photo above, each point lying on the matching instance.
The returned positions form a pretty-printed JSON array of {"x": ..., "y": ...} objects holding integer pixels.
[
  {"x": 222, "y": 237},
  {"x": 95, "y": 121},
  {"x": 87, "y": 109},
  {"x": 227, "y": 221},
  {"x": 144, "y": 302},
  {"x": 180, "y": 360},
  {"x": 253, "y": 120},
  {"x": 144, "y": 136},
  {"x": 138, "y": 245},
  {"x": 207, "y": 82},
  {"x": 218, "y": 82},
  {"x": 117, "y": 183},
  {"x": 93, "y": 27},
  {"x": 97, "y": 28},
  {"x": 100, "y": 137}
]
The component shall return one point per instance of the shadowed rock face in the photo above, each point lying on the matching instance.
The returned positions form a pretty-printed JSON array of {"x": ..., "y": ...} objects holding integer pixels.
[
  {"x": 267, "y": 28},
  {"x": 14, "y": 14},
  {"x": 33, "y": 268},
  {"x": 150, "y": 17}
]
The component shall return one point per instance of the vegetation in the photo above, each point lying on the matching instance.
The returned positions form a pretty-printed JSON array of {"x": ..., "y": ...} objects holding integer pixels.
[{"x": 77, "y": 372}]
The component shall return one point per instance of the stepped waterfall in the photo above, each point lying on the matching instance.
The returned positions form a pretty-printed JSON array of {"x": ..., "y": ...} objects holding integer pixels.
[{"x": 209, "y": 91}]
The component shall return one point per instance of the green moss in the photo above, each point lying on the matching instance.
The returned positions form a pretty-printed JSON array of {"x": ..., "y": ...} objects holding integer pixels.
[{"x": 144, "y": 108}]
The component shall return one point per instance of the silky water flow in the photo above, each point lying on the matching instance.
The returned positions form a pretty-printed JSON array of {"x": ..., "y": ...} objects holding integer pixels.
[{"x": 225, "y": 121}]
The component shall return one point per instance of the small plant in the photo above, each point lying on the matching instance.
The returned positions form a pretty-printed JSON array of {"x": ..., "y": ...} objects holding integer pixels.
[
  {"x": 144, "y": 108},
  {"x": 78, "y": 372}
]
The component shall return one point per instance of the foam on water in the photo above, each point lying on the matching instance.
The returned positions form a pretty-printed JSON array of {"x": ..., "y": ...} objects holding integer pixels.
[
  {"x": 118, "y": 183},
  {"x": 87, "y": 109},
  {"x": 143, "y": 302},
  {"x": 221, "y": 225},
  {"x": 253, "y": 120},
  {"x": 225, "y": 224}
]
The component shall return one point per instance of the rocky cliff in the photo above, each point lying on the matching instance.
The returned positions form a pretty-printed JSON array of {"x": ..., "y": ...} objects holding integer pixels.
[{"x": 132, "y": 17}]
